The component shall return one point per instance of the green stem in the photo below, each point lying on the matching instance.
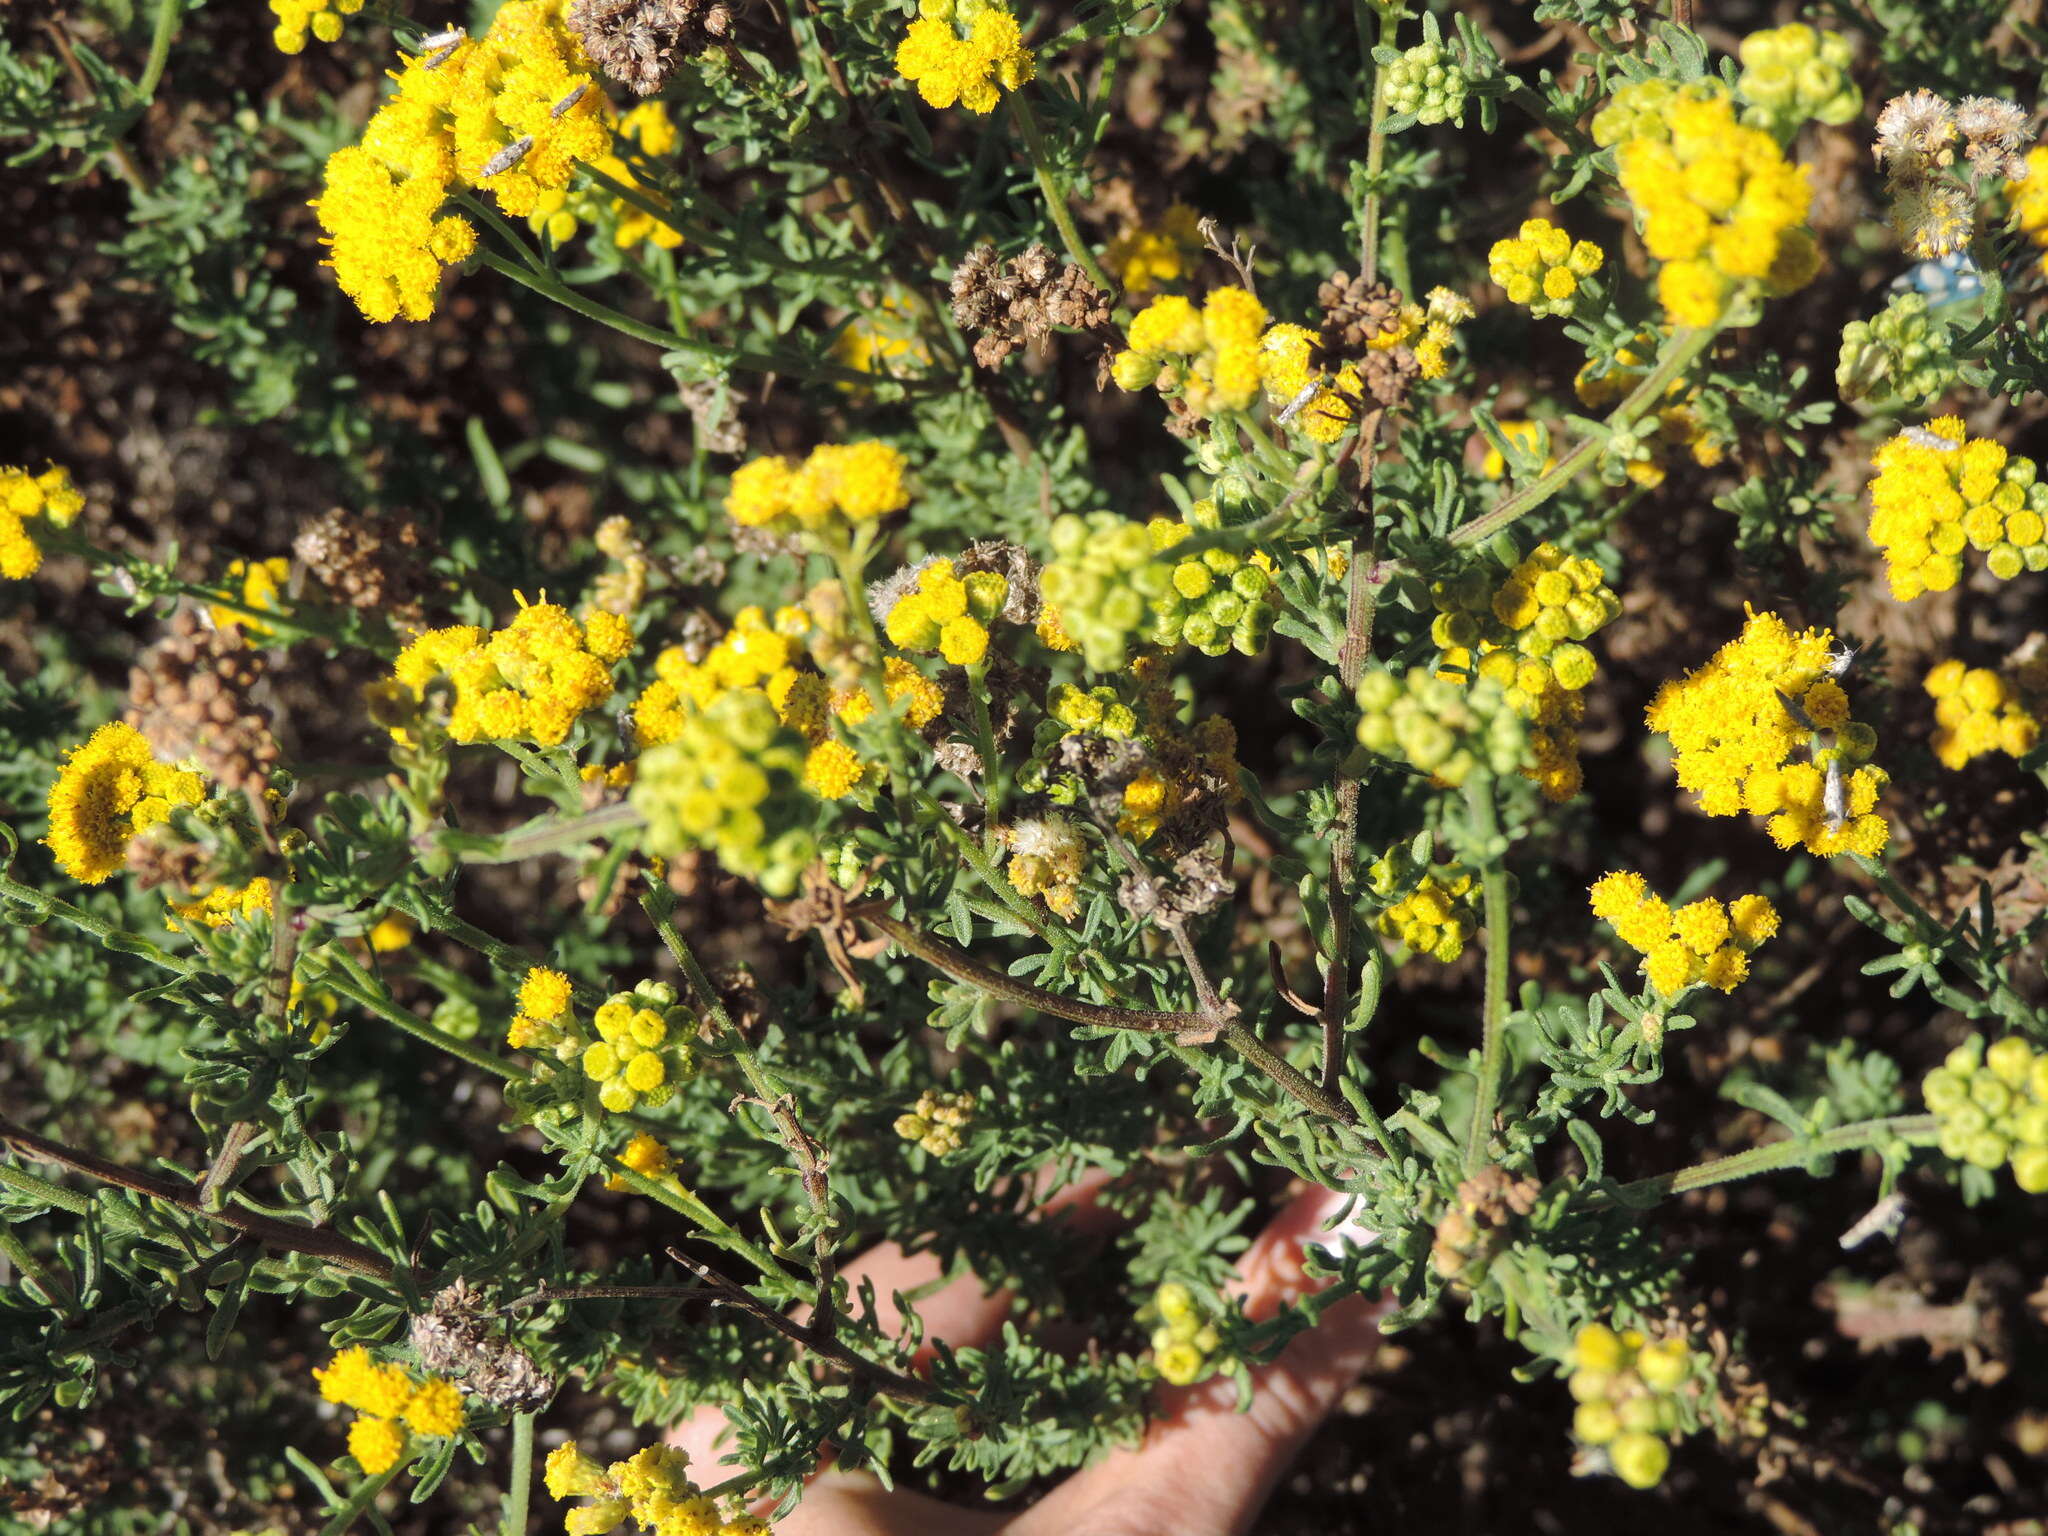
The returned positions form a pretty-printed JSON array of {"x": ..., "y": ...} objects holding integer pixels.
[
  {"x": 1931, "y": 930},
  {"x": 1049, "y": 187},
  {"x": 485, "y": 214},
  {"x": 1376, "y": 141},
  {"x": 551, "y": 835},
  {"x": 521, "y": 1484},
  {"x": 41, "y": 905},
  {"x": 167, "y": 13},
  {"x": 549, "y": 286},
  {"x": 55, "y": 1292},
  {"x": 361, "y": 988},
  {"x": 364, "y": 1496},
  {"x": 1912, "y": 1130},
  {"x": 985, "y": 745},
  {"x": 1679, "y": 352},
  {"x": 1492, "y": 1048},
  {"x": 52, "y": 1194}
]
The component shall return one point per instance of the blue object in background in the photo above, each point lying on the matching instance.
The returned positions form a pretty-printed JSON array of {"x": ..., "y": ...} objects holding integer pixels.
[{"x": 1944, "y": 279}]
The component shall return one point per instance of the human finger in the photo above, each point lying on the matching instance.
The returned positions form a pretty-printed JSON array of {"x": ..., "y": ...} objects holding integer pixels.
[{"x": 1205, "y": 1469}]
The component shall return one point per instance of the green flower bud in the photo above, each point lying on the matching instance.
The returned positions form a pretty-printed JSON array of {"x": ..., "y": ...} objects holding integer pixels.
[{"x": 1640, "y": 1460}]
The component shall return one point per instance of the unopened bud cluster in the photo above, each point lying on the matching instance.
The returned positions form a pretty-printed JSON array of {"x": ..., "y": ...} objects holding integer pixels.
[
  {"x": 936, "y": 1121},
  {"x": 1903, "y": 354},
  {"x": 1185, "y": 1343},
  {"x": 732, "y": 782},
  {"x": 1992, "y": 1107},
  {"x": 642, "y": 1046},
  {"x": 1116, "y": 583},
  {"x": 1440, "y": 727},
  {"x": 1629, "y": 1390},
  {"x": 1794, "y": 73},
  {"x": 1427, "y": 83}
]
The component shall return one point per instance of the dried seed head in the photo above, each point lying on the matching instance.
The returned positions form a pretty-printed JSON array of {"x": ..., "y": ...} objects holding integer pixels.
[
  {"x": 192, "y": 695},
  {"x": 639, "y": 42},
  {"x": 1020, "y": 303}
]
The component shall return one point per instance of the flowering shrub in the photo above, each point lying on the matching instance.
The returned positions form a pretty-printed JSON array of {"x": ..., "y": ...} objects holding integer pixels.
[{"x": 750, "y": 652}]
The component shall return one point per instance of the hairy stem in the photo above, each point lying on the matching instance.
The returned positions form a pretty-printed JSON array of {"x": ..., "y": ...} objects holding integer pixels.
[
  {"x": 1492, "y": 1048},
  {"x": 520, "y": 1484},
  {"x": 1389, "y": 17},
  {"x": 1864, "y": 1135},
  {"x": 1049, "y": 187}
]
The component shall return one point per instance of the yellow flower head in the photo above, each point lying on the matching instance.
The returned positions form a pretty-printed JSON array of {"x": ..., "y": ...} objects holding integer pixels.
[
  {"x": 109, "y": 789},
  {"x": 965, "y": 51}
]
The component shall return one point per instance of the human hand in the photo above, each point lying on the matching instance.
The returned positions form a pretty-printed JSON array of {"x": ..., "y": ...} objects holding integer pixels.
[{"x": 1203, "y": 1469}]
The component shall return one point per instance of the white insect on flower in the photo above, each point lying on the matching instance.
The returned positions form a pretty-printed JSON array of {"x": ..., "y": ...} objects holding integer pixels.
[
  {"x": 1883, "y": 1217},
  {"x": 1293, "y": 407},
  {"x": 506, "y": 158},
  {"x": 1921, "y": 437},
  {"x": 569, "y": 100},
  {"x": 440, "y": 48},
  {"x": 1834, "y": 796},
  {"x": 1839, "y": 662}
]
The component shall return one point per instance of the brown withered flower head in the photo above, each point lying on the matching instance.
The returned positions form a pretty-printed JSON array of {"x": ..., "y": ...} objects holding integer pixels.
[
  {"x": 639, "y": 42},
  {"x": 371, "y": 560},
  {"x": 1020, "y": 302},
  {"x": 192, "y": 695}
]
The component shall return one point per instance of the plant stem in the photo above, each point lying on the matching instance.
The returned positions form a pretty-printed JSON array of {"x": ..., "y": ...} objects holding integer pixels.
[
  {"x": 1048, "y": 186},
  {"x": 555, "y": 834},
  {"x": 518, "y": 1489},
  {"x": 1679, "y": 352},
  {"x": 1931, "y": 930},
  {"x": 1389, "y": 16},
  {"x": 33, "y": 1272},
  {"x": 1913, "y": 1130},
  {"x": 167, "y": 13},
  {"x": 757, "y": 362},
  {"x": 1494, "y": 885},
  {"x": 42, "y": 905},
  {"x": 364, "y": 1496},
  {"x": 359, "y": 987},
  {"x": 985, "y": 745}
]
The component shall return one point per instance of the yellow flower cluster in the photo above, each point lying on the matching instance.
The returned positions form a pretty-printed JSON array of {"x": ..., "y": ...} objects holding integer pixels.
[
  {"x": 110, "y": 788},
  {"x": 50, "y": 496},
  {"x": 529, "y": 681},
  {"x": 642, "y": 1049},
  {"x": 969, "y": 51},
  {"x": 1721, "y": 206},
  {"x": 1209, "y": 356},
  {"x": 936, "y": 1121},
  {"x": 1992, "y": 1106},
  {"x": 1735, "y": 723},
  {"x": 1436, "y": 917},
  {"x": 1543, "y": 267},
  {"x": 648, "y": 1158},
  {"x": 1640, "y": 456},
  {"x": 1702, "y": 941},
  {"x": 256, "y": 584},
  {"x": 1145, "y": 256},
  {"x": 1525, "y": 436},
  {"x": 220, "y": 906},
  {"x": 1628, "y": 1390},
  {"x": 509, "y": 112},
  {"x": 322, "y": 18},
  {"x": 855, "y": 481},
  {"x": 1185, "y": 1342},
  {"x": 652, "y": 1486},
  {"x": 1937, "y": 489},
  {"x": 1526, "y": 635},
  {"x": 1047, "y": 858},
  {"x": 948, "y": 613},
  {"x": 561, "y": 211},
  {"x": 767, "y": 657},
  {"x": 1976, "y": 711},
  {"x": 883, "y": 335},
  {"x": 1183, "y": 759},
  {"x": 2030, "y": 201},
  {"x": 391, "y": 1407}
]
